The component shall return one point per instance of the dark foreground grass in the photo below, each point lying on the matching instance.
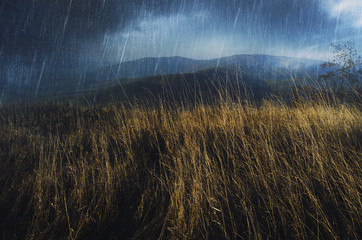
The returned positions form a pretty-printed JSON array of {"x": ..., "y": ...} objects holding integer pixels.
[{"x": 209, "y": 172}]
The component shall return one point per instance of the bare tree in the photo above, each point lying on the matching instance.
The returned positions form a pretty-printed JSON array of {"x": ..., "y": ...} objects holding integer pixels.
[{"x": 344, "y": 72}]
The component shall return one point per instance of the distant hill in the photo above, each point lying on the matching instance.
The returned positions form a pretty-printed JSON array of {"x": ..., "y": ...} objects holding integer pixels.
[
  {"x": 262, "y": 66},
  {"x": 135, "y": 75},
  {"x": 202, "y": 85}
]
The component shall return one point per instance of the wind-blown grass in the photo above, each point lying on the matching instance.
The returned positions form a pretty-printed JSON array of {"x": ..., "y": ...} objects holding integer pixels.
[{"x": 227, "y": 171}]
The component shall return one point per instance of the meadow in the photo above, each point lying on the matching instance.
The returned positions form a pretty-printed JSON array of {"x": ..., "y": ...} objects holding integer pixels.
[{"x": 222, "y": 170}]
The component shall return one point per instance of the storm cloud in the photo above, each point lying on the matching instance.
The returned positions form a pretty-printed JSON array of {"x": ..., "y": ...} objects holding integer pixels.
[{"x": 119, "y": 30}]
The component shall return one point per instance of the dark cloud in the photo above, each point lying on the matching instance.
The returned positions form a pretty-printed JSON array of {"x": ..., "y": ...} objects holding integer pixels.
[
  {"x": 59, "y": 28},
  {"x": 29, "y": 26},
  {"x": 84, "y": 18}
]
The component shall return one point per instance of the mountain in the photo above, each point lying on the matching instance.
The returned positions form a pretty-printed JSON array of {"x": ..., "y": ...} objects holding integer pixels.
[
  {"x": 145, "y": 67},
  {"x": 185, "y": 87},
  {"x": 38, "y": 85},
  {"x": 261, "y": 66}
]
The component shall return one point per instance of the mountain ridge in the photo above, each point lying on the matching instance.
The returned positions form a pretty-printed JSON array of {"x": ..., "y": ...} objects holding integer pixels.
[{"x": 256, "y": 66}]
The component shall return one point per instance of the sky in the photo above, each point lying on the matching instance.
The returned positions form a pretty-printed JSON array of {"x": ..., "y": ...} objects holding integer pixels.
[{"x": 81, "y": 34}]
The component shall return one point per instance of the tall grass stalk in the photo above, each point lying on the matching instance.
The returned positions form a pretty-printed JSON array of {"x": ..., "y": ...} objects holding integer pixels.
[{"x": 212, "y": 171}]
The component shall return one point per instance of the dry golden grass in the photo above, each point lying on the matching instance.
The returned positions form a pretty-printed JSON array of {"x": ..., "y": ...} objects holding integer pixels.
[{"x": 231, "y": 171}]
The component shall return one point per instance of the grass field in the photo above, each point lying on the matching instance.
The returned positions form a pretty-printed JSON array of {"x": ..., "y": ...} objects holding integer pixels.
[{"x": 216, "y": 171}]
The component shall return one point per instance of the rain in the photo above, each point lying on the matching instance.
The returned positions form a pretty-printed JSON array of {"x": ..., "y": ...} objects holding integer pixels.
[{"x": 44, "y": 41}]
